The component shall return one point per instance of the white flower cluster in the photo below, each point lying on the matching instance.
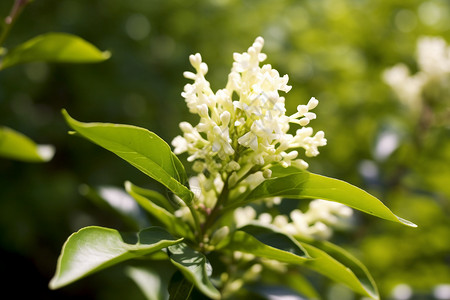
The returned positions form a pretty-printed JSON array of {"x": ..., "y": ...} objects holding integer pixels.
[
  {"x": 244, "y": 123},
  {"x": 317, "y": 222},
  {"x": 433, "y": 59}
]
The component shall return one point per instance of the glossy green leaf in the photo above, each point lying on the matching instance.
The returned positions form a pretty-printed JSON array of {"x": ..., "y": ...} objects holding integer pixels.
[
  {"x": 141, "y": 148},
  {"x": 170, "y": 222},
  {"x": 119, "y": 201},
  {"x": 94, "y": 248},
  {"x": 15, "y": 145},
  {"x": 268, "y": 243},
  {"x": 54, "y": 47},
  {"x": 295, "y": 183},
  {"x": 195, "y": 267},
  {"x": 338, "y": 265}
]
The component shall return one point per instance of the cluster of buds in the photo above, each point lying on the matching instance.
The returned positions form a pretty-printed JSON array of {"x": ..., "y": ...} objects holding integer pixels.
[
  {"x": 243, "y": 129},
  {"x": 246, "y": 122}
]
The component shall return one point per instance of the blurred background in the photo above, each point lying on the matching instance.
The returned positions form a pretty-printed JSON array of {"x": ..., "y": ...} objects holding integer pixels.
[{"x": 334, "y": 50}]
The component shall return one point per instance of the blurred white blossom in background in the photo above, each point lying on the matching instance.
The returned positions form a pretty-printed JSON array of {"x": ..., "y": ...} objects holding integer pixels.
[
  {"x": 317, "y": 222},
  {"x": 433, "y": 75}
]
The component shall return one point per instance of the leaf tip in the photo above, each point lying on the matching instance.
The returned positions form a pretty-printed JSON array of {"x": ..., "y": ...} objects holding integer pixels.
[
  {"x": 128, "y": 186},
  {"x": 106, "y": 55},
  {"x": 53, "y": 284},
  {"x": 407, "y": 223},
  {"x": 65, "y": 114}
]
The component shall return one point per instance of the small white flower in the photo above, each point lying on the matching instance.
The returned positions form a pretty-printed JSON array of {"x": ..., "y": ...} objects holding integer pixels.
[{"x": 180, "y": 145}]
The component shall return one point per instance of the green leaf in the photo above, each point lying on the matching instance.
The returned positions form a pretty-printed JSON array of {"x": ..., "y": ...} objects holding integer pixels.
[
  {"x": 118, "y": 201},
  {"x": 194, "y": 267},
  {"x": 54, "y": 47},
  {"x": 17, "y": 146},
  {"x": 179, "y": 287},
  {"x": 94, "y": 248},
  {"x": 293, "y": 279},
  {"x": 181, "y": 172},
  {"x": 340, "y": 266},
  {"x": 141, "y": 148},
  {"x": 170, "y": 221},
  {"x": 151, "y": 195},
  {"x": 296, "y": 183},
  {"x": 266, "y": 242},
  {"x": 329, "y": 260},
  {"x": 150, "y": 280}
]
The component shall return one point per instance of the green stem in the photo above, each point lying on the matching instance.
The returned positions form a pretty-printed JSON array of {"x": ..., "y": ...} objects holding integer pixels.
[
  {"x": 196, "y": 222},
  {"x": 9, "y": 21},
  {"x": 221, "y": 200}
]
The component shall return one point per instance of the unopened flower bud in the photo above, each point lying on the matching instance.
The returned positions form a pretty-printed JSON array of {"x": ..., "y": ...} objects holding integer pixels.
[
  {"x": 267, "y": 173},
  {"x": 219, "y": 235},
  {"x": 312, "y": 103}
]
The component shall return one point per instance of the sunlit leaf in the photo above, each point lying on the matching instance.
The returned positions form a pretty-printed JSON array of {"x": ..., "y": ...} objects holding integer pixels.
[
  {"x": 146, "y": 200},
  {"x": 295, "y": 183},
  {"x": 340, "y": 266},
  {"x": 141, "y": 148},
  {"x": 15, "y": 145},
  {"x": 268, "y": 243},
  {"x": 94, "y": 248},
  {"x": 195, "y": 267},
  {"x": 54, "y": 47}
]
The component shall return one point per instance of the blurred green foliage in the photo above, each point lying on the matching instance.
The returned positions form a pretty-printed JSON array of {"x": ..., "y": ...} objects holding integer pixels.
[{"x": 335, "y": 50}]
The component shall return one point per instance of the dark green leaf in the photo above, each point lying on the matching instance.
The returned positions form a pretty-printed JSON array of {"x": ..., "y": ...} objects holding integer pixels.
[
  {"x": 17, "y": 146},
  {"x": 194, "y": 267},
  {"x": 54, "y": 47},
  {"x": 293, "y": 279},
  {"x": 295, "y": 183},
  {"x": 94, "y": 248},
  {"x": 151, "y": 195},
  {"x": 268, "y": 243},
  {"x": 181, "y": 172},
  {"x": 143, "y": 149},
  {"x": 179, "y": 287},
  {"x": 170, "y": 221}
]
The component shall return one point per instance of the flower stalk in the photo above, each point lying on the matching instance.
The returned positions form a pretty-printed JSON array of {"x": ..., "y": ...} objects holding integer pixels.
[{"x": 9, "y": 21}]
